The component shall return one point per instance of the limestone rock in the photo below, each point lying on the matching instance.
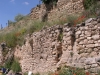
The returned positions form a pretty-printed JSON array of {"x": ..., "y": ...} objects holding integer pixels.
[{"x": 89, "y": 20}]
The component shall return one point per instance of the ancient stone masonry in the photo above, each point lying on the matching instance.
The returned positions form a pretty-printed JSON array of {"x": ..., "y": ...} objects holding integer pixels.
[
  {"x": 82, "y": 49},
  {"x": 54, "y": 46},
  {"x": 63, "y": 8},
  {"x": 41, "y": 51}
]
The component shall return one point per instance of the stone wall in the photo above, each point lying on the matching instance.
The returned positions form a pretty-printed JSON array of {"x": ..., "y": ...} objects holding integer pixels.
[
  {"x": 62, "y": 45},
  {"x": 81, "y": 46},
  {"x": 40, "y": 52},
  {"x": 63, "y": 8}
]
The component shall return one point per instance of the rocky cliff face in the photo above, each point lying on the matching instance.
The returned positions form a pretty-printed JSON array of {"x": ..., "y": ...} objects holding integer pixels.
[
  {"x": 55, "y": 46},
  {"x": 63, "y": 9}
]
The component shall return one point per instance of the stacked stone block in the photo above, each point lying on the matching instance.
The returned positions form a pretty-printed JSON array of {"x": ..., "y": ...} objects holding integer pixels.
[{"x": 79, "y": 47}]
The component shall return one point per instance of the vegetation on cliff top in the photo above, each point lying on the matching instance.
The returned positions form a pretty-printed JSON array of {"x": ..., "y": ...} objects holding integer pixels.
[{"x": 19, "y": 31}]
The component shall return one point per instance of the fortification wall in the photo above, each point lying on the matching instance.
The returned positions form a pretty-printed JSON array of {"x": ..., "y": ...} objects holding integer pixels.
[{"x": 62, "y": 45}]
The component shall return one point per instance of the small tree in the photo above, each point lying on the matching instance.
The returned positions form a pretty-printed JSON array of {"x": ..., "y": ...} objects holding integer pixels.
[{"x": 19, "y": 17}]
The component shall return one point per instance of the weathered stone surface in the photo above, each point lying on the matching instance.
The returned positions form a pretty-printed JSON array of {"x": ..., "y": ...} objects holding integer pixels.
[
  {"x": 90, "y": 45},
  {"x": 96, "y": 45},
  {"x": 55, "y": 46},
  {"x": 93, "y": 70},
  {"x": 78, "y": 32},
  {"x": 11, "y": 73},
  {"x": 88, "y": 38},
  {"x": 87, "y": 67},
  {"x": 94, "y": 65},
  {"x": 89, "y": 50},
  {"x": 96, "y": 37},
  {"x": 89, "y": 20},
  {"x": 97, "y": 59},
  {"x": 90, "y": 61}
]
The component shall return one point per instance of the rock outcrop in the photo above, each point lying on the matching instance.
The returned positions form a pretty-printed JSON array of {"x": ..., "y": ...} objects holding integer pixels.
[{"x": 62, "y": 10}]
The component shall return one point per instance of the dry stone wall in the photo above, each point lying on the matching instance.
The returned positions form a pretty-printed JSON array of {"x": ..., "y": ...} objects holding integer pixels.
[
  {"x": 81, "y": 46},
  {"x": 41, "y": 50},
  {"x": 63, "y": 8},
  {"x": 55, "y": 46}
]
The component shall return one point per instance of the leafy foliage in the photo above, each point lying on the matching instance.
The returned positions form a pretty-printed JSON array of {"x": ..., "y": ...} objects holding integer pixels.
[
  {"x": 19, "y": 17},
  {"x": 88, "y": 3},
  {"x": 13, "y": 64},
  {"x": 8, "y": 63},
  {"x": 71, "y": 19},
  {"x": 16, "y": 66},
  {"x": 93, "y": 11},
  {"x": 71, "y": 71}
]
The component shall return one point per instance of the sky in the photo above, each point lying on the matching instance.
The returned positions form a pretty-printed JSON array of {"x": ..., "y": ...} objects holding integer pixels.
[{"x": 10, "y": 8}]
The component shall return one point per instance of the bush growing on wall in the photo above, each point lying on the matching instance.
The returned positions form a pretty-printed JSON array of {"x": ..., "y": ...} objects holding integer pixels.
[
  {"x": 16, "y": 66},
  {"x": 88, "y": 3}
]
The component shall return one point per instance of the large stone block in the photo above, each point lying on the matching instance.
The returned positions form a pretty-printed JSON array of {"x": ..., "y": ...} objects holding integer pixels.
[
  {"x": 85, "y": 41},
  {"x": 93, "y": 70},
  {"x": 87, "y": 67},
  {"x": 94, "y": 65},
  {"x": 90, "y": 41},
  {"x": 89, "y": 20},
  {"x": 81, "y": 42},
  {"x": 78, "y": 32},
  {"x": 90, "y": 61},
  {"x": 87, "y": 33},
  {"x": 90, "y": 45},
  {"x": 97, "y": 45},
  {"x": 69, "y": 48},
  {"x": 89, "y": 38},
  {"x": 96, "y": 37}
]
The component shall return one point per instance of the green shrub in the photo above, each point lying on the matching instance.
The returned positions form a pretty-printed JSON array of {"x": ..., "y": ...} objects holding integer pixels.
[
  {"x": 20, "y": 40},
  {"x": 8, "y": 63},
  {"x": 10, "y": 39},
  {"x": 88, "y": 3},
  {"x": 65, "y": 71},
  {"x": 93, "y": 11},
  {"x": 71, "y": 71},
  {"x": 37, "y": 74},
  {"x": 19, "y": 17},
  {"x": 16, "y": 66},
  {"x": 35, "y": 26},
  {"x": 31, "y": 29},
  {"x": 71, "y": 19},
  {"x": 13, "y": 64},
  {"x": 23, "y": 31},
  {"x": 60, "y": 37}
]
